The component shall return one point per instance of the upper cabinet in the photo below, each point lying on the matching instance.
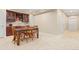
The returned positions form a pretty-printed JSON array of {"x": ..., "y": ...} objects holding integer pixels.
[
  {"x": 12, "y": 16},
  {"x": 25, "y": 18}
]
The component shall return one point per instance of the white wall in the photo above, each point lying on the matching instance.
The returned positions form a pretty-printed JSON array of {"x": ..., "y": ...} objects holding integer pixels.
[
  {"x": 2, "y": 23},
  {"x": 78, "y": 22},
  {"x": 72, "y": 23},
  {"x": 52, "y": 22},
  {"x": 47, "y": 22},
  {"x": 61, "y": 21}
]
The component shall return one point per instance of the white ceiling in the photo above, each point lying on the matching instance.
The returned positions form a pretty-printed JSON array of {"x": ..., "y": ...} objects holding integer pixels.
[
  {"x": 71, "y": 12},
  {"x": 68, "y": 12},
  {"x": 33, "y": 11}
]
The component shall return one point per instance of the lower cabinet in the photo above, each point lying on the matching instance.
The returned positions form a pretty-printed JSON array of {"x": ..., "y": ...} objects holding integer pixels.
[{"x": 8, "y": 31}]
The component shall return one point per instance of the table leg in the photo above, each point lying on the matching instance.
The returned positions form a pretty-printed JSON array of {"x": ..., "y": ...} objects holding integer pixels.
[
  {"x": 14, "y": 37},
  {"x": 18, "y": 38}
]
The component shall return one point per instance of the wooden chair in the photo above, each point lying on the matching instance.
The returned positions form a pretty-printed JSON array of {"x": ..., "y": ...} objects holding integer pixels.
[
  {"x": 29, "y": 32},
  {"x": 22, "y": 34},
  {"x": 32, "y": 33},
  {"x": 35, "y": 31},
  {"x": 14, "y": 34}
]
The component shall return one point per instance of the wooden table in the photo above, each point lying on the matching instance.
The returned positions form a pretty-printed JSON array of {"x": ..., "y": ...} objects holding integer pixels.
[{"x": 18, "y": 31}]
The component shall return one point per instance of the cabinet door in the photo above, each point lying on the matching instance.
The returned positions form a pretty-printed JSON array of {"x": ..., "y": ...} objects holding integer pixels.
[
  {"x": 11, "y": 16},
  {"x": 2, "y": 23},
  {"x": 8, "y": 31},
  {"x": 25, "y": 18}
]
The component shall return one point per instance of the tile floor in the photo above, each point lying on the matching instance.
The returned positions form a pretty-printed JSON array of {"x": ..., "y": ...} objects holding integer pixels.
[{"x": 68, "y": 41}]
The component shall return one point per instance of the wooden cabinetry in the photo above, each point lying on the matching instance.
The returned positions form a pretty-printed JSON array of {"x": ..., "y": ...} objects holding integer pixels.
[
  {"x": 12, "y": 16},
  {"x": 26, "y": 18},
  {"x": 8, "y": 31}
]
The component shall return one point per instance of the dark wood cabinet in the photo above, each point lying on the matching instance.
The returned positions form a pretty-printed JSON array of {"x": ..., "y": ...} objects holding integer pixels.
[
  {"x": 25, "y": 18},
  {"x": 12, "y": 16},
  {"x": 8, "y": 31}
]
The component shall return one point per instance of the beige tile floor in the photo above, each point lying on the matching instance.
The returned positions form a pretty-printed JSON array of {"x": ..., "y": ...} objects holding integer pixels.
[
  {"x": 71, "y": 34},
  {"x": 70, "y": 40}
]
